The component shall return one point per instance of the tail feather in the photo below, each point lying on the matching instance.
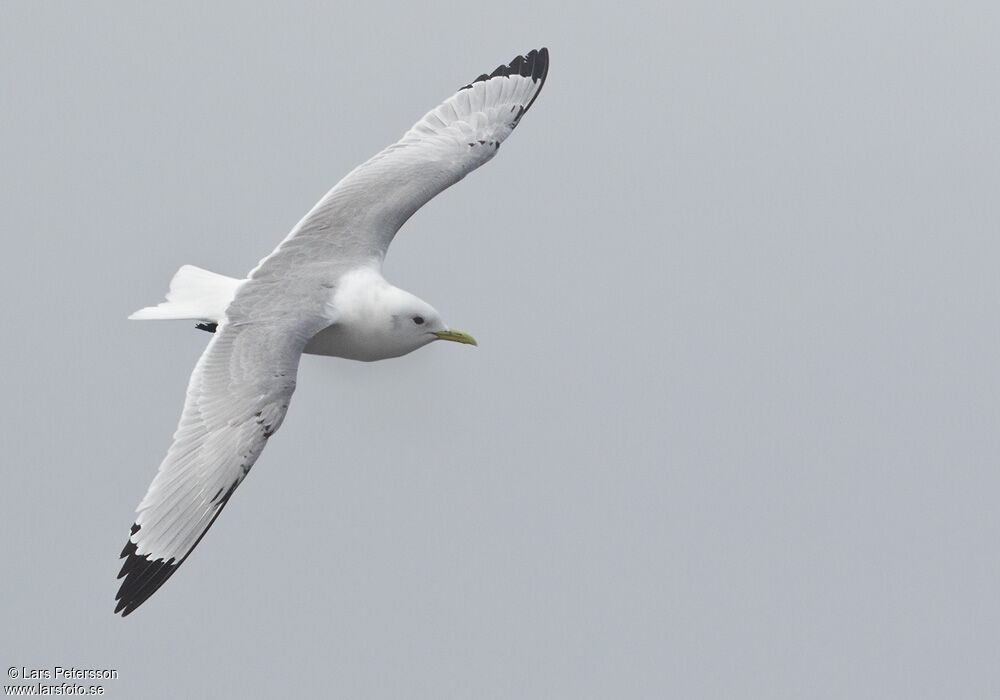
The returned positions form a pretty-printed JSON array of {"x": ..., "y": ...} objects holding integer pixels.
[{"x": 194, "y": 294}]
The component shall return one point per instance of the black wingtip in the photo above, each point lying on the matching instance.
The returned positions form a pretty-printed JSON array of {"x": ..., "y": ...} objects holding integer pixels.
[
  {"x": 539, "y": 71},
  {"x": 210, "y": 327},
  {"x": 534, "y": 65},
  {"x": 142, "y": 577}
]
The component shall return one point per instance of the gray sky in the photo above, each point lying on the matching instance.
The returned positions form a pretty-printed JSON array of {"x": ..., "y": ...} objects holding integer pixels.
[{"x": 731, "y": 430}]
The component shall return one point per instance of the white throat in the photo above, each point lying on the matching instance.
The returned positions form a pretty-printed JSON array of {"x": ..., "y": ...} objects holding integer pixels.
[{"x": 369, "y": 325}]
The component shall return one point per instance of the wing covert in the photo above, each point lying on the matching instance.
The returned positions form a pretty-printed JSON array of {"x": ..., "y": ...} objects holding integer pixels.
[{"x": 358, "y": 218}]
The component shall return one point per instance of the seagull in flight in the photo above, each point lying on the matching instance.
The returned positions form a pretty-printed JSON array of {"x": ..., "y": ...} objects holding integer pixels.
[{"x": 321, "y": 292}]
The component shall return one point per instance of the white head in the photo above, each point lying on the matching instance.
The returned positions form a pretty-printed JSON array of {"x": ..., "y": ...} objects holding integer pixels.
[
  {"x": 413, "y": 323},
  {"x": 376, "y": 320}
]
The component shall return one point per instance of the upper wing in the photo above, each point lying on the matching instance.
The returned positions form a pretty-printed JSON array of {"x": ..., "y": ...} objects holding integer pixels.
[
  {"x": 237, "y": 397},
  {"x": 358, "y": 218}
]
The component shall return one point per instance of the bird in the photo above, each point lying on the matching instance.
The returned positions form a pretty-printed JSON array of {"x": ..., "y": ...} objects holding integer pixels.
[{"x": 321, "y": 291}]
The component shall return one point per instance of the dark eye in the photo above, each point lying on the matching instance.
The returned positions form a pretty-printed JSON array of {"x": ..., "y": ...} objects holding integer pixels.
[{"x": 418, "y": 320}]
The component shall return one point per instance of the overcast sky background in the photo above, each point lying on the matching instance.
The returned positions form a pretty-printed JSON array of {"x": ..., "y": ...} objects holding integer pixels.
[{"x": 731, "y": 430}]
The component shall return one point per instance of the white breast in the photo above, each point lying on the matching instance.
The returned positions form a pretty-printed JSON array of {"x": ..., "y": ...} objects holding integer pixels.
[{"x": 352, "y": 343}]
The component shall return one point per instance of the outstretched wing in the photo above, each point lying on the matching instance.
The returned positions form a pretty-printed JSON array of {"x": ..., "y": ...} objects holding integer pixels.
[
  {"x": 237, "y": 397},
  {"x": 358, "y": 218}
]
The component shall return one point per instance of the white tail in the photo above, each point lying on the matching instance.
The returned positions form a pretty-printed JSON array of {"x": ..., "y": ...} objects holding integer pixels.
[{"x": 195, "y": 294}]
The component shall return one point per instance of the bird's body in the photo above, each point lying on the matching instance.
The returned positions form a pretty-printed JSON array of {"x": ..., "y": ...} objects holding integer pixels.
[
  {"x": 364, "y": 313},
  {"x": 321, "y": 292}
]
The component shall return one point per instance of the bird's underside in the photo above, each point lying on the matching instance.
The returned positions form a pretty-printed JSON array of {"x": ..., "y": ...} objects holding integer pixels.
[{"x": 240, "y": 389}]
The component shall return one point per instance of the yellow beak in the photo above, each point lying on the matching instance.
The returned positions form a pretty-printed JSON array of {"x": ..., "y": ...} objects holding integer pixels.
[{"x": 457, "y": 336}]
